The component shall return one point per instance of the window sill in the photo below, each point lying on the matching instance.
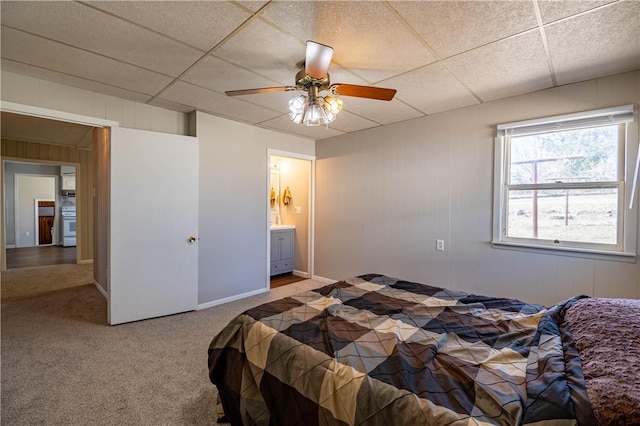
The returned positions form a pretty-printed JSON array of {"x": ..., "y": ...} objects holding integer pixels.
[{"x": 570, "y": 252}]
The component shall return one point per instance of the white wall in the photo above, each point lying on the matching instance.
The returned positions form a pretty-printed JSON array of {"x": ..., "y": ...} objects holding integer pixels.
[
  {"x": 31, "y": 188},
  {"x": 384, "y": 195},
  {"x": 234, "y": 205}
]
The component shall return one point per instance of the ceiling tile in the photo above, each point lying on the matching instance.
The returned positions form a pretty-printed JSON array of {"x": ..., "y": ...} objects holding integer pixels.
[
  {"x": 603, "y": 42},
  {"x": 357, "y": 30},
  {"x": 252, "y": 5},
  {"x": 490, "y": 50},
  {"x": 552, "y": 10},
  {"x": 81, "y": 83},
  {"x": 101, "y": 33},
  {"x": 39, "y": 52},
  {"x": 452, "y": 27},
  {"x": 431, "y": 89},
  {"x": 265, "y": 50},
  {"x": 348, "y": 122},
  {"x": 219, "y": 75},
  {"x": 382, "y": 112},
  {"x": 216, "y": 103},
  {"x": 201, "y": 24},
  {"x": 338, "y": 74},
  {"x": 505, "y": 68},
  {"x": 278, "y": 101},
  {"x": 282, "y": 123}
]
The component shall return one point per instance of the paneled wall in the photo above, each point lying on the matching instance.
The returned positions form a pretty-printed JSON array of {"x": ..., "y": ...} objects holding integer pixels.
[
  {"x": 20, "y": 150},
  {"x": 384, "y": 195},
  {"x": 101, "y": 207}
]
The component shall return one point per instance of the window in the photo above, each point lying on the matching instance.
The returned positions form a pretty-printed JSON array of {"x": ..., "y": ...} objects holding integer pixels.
[{"x": 566, "y": 183}]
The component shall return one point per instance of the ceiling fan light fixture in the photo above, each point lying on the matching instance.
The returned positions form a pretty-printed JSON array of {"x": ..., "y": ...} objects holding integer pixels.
[
  {"x": 335, "y": 104},
  {"x": 310, "y": 108},
  {"x": 316, "y": 113},
  {"x": 314, "y": 110},
  {"x": 297, "y": 107}
]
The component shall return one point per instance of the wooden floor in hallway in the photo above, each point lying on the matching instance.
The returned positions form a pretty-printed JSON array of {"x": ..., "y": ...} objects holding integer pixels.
[
  {"x": 27, "y": 257},
  {"x": 284, "y": 279}
]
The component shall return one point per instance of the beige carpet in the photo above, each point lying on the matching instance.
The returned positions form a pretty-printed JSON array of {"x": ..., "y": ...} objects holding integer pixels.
[
  {"x": 62, "y": 365},
  {"x": 28, "y": 282}
]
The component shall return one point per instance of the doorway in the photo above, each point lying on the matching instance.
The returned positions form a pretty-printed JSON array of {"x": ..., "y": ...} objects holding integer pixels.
[
  {"x": 290, "y": 220},
  {"x": 45, "y": 213},
  {"x": 33, "y": 227}
]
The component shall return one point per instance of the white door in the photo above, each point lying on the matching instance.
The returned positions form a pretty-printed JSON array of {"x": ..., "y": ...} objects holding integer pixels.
[{"x": 153, "y": 265}]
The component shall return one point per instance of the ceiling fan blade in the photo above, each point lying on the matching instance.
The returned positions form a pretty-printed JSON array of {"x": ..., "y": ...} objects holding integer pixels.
[
  {"x": 261, "y": 90},
  {"x": 362, "y": 91},
  {"x": 317, "y": 60}
]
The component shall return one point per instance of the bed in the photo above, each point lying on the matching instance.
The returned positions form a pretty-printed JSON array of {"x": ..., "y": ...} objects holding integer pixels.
[{"x": 375, "y": 350}]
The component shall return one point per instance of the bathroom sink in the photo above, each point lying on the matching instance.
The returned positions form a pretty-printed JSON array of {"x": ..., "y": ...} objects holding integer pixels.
[{"x": 279, "y": 227}]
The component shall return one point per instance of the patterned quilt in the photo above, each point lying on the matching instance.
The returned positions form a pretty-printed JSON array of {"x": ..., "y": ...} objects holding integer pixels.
[{"x": 374, "y": 350}]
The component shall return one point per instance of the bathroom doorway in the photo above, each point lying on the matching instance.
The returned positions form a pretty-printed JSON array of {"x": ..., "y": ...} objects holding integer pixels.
[{"x": 290, "y": 219}]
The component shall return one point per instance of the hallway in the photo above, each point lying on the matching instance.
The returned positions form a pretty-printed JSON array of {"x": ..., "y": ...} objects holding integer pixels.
[{"x": 27, "y": 257}]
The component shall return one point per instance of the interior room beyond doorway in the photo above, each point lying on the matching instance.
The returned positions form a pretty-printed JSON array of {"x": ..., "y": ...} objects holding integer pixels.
[
  {"x": 289, "y": 194},
  {"x": 39, "y": 201}
]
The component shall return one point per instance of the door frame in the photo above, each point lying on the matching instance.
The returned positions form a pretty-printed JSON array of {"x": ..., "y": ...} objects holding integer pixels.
[
  {"x": 58, "y": 202},
  {"x": 52, "y": 115},
  {"x": 56, "y": 217},
  {"x": 16, "y": 203},
  {"x": 311, "y": 209}
]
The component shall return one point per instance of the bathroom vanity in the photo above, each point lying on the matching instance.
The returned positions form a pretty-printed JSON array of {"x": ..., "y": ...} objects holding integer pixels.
[{"x": 282, "y": 243}]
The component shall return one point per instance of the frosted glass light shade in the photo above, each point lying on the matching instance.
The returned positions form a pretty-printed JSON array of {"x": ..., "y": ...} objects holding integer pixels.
[
  {"x": 297, "y": 107},
  {"x": 314, "y": 111}
]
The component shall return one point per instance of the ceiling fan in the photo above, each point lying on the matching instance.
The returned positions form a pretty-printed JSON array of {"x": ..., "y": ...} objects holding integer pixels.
[{"x": 310, "y": 108}]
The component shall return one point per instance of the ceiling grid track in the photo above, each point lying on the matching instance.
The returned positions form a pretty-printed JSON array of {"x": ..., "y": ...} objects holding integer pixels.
[
  {"x": 545, "y": 43},
  {"x": 93, "y": 52},
  {"x": 430, "y": 50},
  {"x": 438, "y": 56},
  {"x": 209, "y": 52},
  {"x": 102, "y": 83}
]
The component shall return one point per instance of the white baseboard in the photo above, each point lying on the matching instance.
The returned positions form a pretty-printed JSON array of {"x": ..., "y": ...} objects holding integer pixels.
[
  {"x": 85, "y": 261},
  {"x": 101, "y": 290},
  {"x": 10, "y": 246},
  {"x": 230, "y": 299},
  {"x": 323, "y": 279},
  {"x": 301, "y": 274}
]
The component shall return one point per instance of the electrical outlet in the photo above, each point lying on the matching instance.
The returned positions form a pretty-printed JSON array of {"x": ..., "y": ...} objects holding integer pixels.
[
  {"x": 27, "y": 233},
  {"x": 297, "y": 209},
  {"x": 440, "y": 245}
]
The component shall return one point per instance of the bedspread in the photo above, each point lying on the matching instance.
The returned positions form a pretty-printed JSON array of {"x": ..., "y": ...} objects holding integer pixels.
[{"x": 381, "y": 351}]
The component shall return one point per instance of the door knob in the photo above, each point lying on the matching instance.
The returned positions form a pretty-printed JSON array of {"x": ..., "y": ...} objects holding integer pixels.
[{"x": 191, "y": 239}]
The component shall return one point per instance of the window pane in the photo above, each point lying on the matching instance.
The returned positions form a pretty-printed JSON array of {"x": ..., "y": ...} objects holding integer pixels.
[
  {"x": 579, "y": 215},
  {"x": 584, "y": 155}
]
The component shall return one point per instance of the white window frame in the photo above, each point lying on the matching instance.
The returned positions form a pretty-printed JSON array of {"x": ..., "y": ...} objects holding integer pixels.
[{"x": 629, "y": 158}]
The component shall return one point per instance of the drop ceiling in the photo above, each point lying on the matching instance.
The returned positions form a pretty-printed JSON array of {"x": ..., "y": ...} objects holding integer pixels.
[{"x": 440, "y": 56}]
